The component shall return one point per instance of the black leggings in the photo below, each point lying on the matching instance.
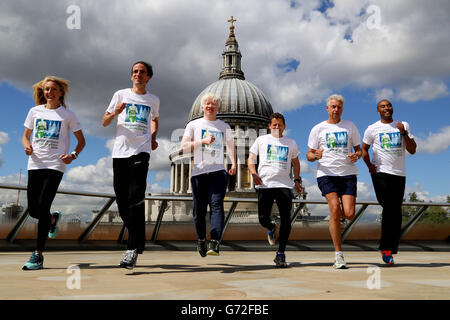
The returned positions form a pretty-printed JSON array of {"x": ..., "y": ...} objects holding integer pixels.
[
  {"x": 390, "y": 190},
  {"x": 283, "y": 198},
  {"x": 130, "y": 182},
  {"x": 41, "y": 191}
]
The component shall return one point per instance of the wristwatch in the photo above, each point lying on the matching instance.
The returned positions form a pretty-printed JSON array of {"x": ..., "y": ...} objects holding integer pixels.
[
  {"x": 404, "y": 133},
  {"x": 74, "y": 155},
  {"x": 299, "y": 180}
]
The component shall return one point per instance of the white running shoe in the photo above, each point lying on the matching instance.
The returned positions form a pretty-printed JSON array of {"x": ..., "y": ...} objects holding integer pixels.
[{"x": 339, "y": 262}]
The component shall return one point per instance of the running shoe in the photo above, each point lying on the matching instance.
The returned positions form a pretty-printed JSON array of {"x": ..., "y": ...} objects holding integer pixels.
[
  {"x": 339, "y": 262},
  {"x": 280, "y": 260},
  {"x": 36, "y": 262},
  {"x": 201, "y": 248},
  {"x": 387, "y": 257},
  {"x": 272, "y": 236},
  {"x": 129, "y": 259},
  {"x": 342, "y": 218},
  {"x": 213, "y": 249},
  {"x": 53, "y": 232}
]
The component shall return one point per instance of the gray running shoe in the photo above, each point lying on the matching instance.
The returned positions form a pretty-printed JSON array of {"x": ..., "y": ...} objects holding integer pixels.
[
  {"x": 129, "y": 259},
  {"x": 339, "y": 262}
]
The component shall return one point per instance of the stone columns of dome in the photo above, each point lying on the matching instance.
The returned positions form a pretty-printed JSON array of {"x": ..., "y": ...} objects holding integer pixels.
[
  {"x": 176, "y": 178},
  {"x": 239, "y": 140},
  {"x": 172, "y": 173},
  {"x": 182, "y": 182},
  {"x": 190, "y": 175}
]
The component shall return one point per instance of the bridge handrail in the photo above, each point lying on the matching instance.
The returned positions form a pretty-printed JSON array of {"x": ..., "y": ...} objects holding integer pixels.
[
  {"x": 164, "y": 198},
  {"x": 171, "y": 197}
]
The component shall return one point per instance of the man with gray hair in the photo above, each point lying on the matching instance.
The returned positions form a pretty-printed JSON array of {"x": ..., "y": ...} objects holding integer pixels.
[{"x": 331, "y": 143}]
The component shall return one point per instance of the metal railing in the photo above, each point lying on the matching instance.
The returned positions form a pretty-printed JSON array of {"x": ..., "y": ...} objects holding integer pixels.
[{"x": 234, "y": 202}]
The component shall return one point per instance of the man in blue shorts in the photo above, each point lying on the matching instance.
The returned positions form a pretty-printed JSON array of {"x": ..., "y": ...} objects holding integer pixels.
[{"x": 331, "y": 143}]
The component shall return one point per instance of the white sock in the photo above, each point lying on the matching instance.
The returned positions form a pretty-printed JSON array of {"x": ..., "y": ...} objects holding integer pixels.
[{"x": 336, "y": 253}]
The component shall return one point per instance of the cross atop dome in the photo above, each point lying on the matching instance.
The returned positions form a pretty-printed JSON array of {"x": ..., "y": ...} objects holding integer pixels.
[
  {"x": 232, "y": 26},
  {"x": 231, "y": 62}
]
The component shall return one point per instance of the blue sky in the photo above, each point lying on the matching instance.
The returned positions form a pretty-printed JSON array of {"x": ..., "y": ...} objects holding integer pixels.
[{"x": 296, "y": 52}]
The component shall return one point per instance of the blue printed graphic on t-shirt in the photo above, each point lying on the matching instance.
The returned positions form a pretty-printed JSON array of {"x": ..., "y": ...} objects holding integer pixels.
[
  {"x": 47, "y": 129},
  {"x": 137, "y": 113},
  {"x": 337, "y": 139},
  {"x": 277, "y": 155},
  {"x": 390, "y": 140},
  {"x": 218, "y": 142}
]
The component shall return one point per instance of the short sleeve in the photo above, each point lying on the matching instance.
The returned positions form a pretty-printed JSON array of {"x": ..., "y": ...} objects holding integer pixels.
[
  {"x": 113, "y": 103},
  {"x": 228, "y": 135},
  {"x": 255, "y": 147},
  {"x": 189, "y": 131},
  {"x": 295, "y": 152},
  {"x": 74, "y": 123},
  {"x": 155, "y": 109},
  {"x": 368, "y": 136},
  {"x": 356, "y": 137},
  {"x": 408, "y": 128},
  {"x": 29, "y": 121},
  {"x": 313, "y": 141}
]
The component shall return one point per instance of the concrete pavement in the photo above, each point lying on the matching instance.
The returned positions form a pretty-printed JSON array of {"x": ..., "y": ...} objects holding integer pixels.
[{"x": 235, "y": 275}]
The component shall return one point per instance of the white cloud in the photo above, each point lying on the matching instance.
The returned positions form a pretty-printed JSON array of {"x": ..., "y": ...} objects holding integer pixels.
[
  {"x": 98, "y": 177},
  {"x": 110, "y": 144},
  {"x": 8, "y": 195},
  {"x": 306, "y": 168},
  {"x": 426, "y": 90},
  {"x": 93, "y": 175},
  {"x": 162, "y": 175},
  {"x": 4, "y": 139},
  {"x": 335, "y": 50},
  {"x": 365, "y": 192},
  {"x": 156, "y": 188},
  {"x": 423, "y": 194},
  {"x": 434, "y": 142},
  {"x": 385, "y": 93},
  {"x": 159, "y": 159}
]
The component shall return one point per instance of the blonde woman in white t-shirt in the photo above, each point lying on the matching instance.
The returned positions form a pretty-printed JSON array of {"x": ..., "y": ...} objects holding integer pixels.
[{"x": 48, "y": 156}]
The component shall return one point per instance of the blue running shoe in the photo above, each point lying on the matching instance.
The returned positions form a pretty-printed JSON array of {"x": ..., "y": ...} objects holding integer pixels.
[
  {"x": 280, "y": 260},
  {"x": 387, "y": 257},
  {"x": 36, "y": 262},
  {"x": 53, "y": 232}
]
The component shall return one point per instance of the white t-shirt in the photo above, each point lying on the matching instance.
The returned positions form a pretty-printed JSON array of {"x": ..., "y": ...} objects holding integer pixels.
[
  {"x": 336, "y": 141},
  {"x": 388, "y": 148},
  {"x": 133, "y": 123},
  {"x": 50, "y": 136},
  {"x": 275, "y": 160},
  {"x": 208, "y": 158}
]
